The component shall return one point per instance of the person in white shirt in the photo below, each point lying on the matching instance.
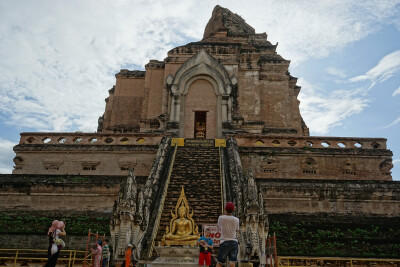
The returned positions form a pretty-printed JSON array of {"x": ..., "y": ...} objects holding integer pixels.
[{"x": 228, "y": 225}]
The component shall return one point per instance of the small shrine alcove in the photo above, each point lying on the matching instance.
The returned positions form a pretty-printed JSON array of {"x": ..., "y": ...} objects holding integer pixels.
[
  {"x": 200, "y": 124},
  {"x": 200, "y": 97},
  {"x": 200, "y": 110}
]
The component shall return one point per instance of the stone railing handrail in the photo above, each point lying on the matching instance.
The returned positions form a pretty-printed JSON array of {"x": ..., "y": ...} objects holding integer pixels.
[
  {"x": 311, "y": 142},
  {"x": 78, "y": 138}
]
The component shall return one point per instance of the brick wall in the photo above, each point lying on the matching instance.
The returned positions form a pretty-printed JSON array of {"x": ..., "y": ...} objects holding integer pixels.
[
  {"x": 331, "y": 197},
  {"x": 40, "y": 242}
]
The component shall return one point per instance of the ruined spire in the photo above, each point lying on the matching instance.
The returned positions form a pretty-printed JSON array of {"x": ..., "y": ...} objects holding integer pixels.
[{"x": 224, "y": 20}]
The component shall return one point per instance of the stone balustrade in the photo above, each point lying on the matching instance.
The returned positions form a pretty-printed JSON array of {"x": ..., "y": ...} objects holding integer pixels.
[
  {"x": 89, "y": 139},
  {"x": 311, "y": 142},
  {"x": 242, "y": 140}
]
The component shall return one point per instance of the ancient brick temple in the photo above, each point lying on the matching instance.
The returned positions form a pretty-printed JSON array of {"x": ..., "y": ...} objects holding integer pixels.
[{"x": 220, "y": 117}]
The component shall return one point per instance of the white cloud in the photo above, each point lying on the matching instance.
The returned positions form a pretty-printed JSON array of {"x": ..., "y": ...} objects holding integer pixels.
[
  {"x": 336, "y": 72},
  {"x": 323, "y": 111},
  {"x": 396, "y": 121},
  {"x": 6, "y": 156},
  {"x": 387, "y": 67},
  {"x": 318, "y": 28},
  {"x": 396, "y": 92},
  {"x": 56, "y": 69},
  {"x": 58, "y": 59}
]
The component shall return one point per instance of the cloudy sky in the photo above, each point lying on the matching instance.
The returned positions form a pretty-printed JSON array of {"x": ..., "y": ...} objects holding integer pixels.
[{"x": 58, "y": 59}]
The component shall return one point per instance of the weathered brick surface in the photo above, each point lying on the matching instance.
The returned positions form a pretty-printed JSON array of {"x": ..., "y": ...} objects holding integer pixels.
[
  {"x": 331, "y": 197},
  {"x": 124, "y": 108},
  {"x": 62, "y": 193},
  {"x": 40, "y": 242},
  {"x": 316, "y": 163},
  {"x": 72, "y": 158},
  {"x": 197, "y": 169}
]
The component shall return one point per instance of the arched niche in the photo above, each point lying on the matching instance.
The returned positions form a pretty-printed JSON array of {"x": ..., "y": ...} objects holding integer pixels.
[
  {"x": 200, "y": 67},
  {"x": 200, "y": 109}
]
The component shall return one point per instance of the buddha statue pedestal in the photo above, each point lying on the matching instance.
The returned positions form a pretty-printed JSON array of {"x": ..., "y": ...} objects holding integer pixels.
[
  {"x": 182, "y": 234},
  {"x": 177, "y": 256},
  {"x": 182, "y": 230},
  {"x": 168, "y": 243}
]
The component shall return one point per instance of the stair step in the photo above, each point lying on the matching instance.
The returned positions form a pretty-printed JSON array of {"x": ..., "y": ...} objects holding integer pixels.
[{"x": 198, "y": 170}]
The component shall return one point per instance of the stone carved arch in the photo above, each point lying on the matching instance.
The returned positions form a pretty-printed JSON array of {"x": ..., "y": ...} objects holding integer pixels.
[
  {"x": 200, "y": 66},
  {"x": 198, "y": 77},
  {"x": 202, "y": 63}
]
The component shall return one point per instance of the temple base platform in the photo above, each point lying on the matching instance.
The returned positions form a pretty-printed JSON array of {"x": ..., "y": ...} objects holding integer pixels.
[{"x": 177, "y": 256}]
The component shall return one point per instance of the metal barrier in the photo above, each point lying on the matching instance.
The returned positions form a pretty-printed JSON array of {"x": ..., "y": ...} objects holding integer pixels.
[
  {"x": 352, "y": 262},
  {"x": 40, "y": 256}
]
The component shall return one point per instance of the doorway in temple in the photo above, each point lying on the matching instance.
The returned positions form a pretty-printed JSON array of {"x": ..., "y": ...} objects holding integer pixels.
[{"x": 200, "y": 123}]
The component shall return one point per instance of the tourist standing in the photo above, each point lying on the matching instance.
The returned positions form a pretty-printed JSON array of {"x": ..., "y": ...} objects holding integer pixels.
[
  {"x": 128, "y": 255},
  {"x": 228, "y": 225},
  {"x": 97, "y": 252},
  {"x": 206, "y": 246},
  {"x": 56, "y": 230},
  {"x": 106, "y": 253}
]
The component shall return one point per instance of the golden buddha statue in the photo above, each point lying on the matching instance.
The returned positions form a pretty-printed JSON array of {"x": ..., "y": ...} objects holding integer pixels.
[{"x": 182, "y": 230}]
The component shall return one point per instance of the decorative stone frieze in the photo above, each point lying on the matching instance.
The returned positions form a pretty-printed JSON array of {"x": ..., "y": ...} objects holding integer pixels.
[
  {"x": 96, "y": 139},
  {"x": 349, "y": 167},
  {"x": 249, "y": 140},
  {"x": 52, "y": 164},
  {"x": 127, "y": 162},
  {"x": 309, "y": 165},
  {"x": 386, "y": 166},
  {"x": 269, "y": 165},
  {"x": 19, "y": 163},
  {"x": 90, "y": 165}
]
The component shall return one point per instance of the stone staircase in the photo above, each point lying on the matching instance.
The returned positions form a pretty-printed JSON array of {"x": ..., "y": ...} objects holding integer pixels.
[{"x": 197, "y": 169}]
